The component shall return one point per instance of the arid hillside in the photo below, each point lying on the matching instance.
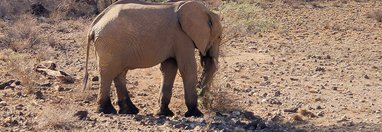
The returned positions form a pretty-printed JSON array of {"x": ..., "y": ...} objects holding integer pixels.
[{"x": 285, "y": 65}]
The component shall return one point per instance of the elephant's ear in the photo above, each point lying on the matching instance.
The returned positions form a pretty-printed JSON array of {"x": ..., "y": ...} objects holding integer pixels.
[{"x": 195, "y": 21}]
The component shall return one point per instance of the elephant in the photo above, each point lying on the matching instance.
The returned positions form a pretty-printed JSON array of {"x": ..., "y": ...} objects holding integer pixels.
[{"x": 133, "y": 34}]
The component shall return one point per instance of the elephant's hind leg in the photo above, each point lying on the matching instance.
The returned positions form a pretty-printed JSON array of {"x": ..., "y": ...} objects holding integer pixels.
[
  {"x": 104, "y": 102},
  {"x": 126, "y": 106},
  {"x": 168, "y": 69}
]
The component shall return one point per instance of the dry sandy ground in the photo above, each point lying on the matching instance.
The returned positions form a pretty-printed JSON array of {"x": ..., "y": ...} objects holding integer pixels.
[{"x": 320, "y": 70}]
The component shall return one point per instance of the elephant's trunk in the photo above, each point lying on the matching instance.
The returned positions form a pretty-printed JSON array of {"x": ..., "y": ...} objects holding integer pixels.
[{"x": 209, "y": 68}]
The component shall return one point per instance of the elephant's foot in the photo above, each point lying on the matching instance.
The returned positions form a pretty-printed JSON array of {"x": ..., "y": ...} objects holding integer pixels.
[
  {"x": 126, "y": 107},
  {"x": 193, "y": 112},
  {"x": 106, "y": 108},
  {"x": 164, "y": 112}
]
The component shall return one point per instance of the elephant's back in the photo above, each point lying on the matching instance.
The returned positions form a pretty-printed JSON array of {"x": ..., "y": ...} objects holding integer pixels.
[
  {"x": 138, "y": 33},
  {"x": 137, "y": 20}
]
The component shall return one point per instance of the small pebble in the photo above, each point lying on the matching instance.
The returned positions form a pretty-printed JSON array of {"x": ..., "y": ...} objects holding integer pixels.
[
  {"x": 39, "y": 95},
  {"x": 59, "y": 88},
  {"x": 335, "y": 88},
  {"x": 277, "y": 93},
  {"x": 236, "y": 113},
  {"x": 19, "y": 107},
  {"x": 3, "y": 103},
  {"x": 95, "y": 78},
  {"x": 321, "y": 113}
]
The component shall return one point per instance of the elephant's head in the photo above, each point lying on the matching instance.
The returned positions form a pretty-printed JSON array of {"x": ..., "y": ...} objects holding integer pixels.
[{"x": 205, "y": 30}]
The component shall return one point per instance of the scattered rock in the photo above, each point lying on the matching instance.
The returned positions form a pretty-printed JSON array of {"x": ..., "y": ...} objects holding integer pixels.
[
  {"x": 318, "y": 107},
  {"x": 46, "y": 84},
  {"x": 138, "y": 117},
  {"x": 292, "y": 110},
  {"x": 261, "y": 125},
  {"x": 197, "y": 128},
  {"x": 249, "y": 115},
  {"x": 95, "y": 78},
  {"x": 142, "y": 94},
  {"x": 48, "y": 68},
  {"x": 305, "y": 112},
  {"x": 275, "y": 101},
  {"x": 3, "y": 103},
  {"x": 82, "y": 115},
  {"x": 366, "y": 77},
  {"x": 320, "y": 69},
  {"x": 277, "y": 93},
  {"x": 264, "y": 95},
  {"x": 46, "y": 65},
  {"x": 335, "y": 88},
  {"x": 321, "y": 113},
  {"x": 39, "y": 95},
  {"x": 293, "y": 79},
  {"x": 343, "y": 118},
  {"x": 239, "y": 129},
  {"x": 19, "y": 107},
  {"x": 179, "y": 125},
  {"x": 297, "y": 117},
  {"x": 218, "y": 114},
  {"x": 59, "y": 88},
  {"x": 60, "y": 75},
  {"x": 39, "y": 10},
  {"x": 236, "y": 113},
  {"x": 10, "y": 83},
  {"x": 228, "y": 85},
  {"x": 256, "y": 123}
]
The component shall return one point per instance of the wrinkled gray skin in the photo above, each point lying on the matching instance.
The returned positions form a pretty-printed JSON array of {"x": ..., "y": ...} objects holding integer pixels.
[{"x": 134, "y": 34}]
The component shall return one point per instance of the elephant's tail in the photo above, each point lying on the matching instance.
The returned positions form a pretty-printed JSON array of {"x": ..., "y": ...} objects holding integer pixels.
[{"x": 86, "y": 76}]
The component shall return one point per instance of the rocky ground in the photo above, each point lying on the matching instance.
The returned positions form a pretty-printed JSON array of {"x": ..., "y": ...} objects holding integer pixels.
[{"x": 319, "y": 70}]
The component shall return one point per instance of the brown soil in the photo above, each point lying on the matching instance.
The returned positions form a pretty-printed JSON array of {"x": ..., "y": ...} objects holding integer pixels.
[{"x": 319, "y": 70}]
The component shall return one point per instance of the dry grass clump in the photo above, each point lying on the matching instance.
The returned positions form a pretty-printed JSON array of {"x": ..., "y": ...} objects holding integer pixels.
[
  {"x": 20, "y": 67},
  {"x": 73, "y": 9},
  {"x": 22, "y": 34},
  {"x": 377, "y": 15},
  {"x": 62, "y": 9},
  {"x": 57, "y": 118},
  {"x": 244, "y": 18},
  {"x": 11, "y": 8}
]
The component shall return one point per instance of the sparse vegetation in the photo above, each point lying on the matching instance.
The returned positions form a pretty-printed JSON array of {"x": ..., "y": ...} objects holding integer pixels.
[
  {"x": 57, "y": 118},
  {"x": 244, "y": 18},
  {"x": 268, "y": 63},
  {"x": 23, "y": 35}
]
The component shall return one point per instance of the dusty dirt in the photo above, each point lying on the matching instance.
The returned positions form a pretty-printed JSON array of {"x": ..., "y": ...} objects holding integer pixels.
[{"x": 320, "y": 70}]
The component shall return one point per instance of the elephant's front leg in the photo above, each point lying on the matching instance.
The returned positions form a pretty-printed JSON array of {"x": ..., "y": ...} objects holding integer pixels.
[
  {"x": 125, "y": 104},
  {"x": 187, "y": 69},
  {"x": 168, "y": 69}
]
